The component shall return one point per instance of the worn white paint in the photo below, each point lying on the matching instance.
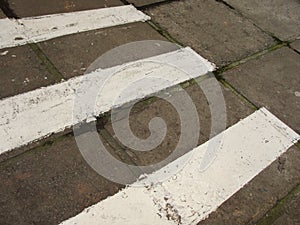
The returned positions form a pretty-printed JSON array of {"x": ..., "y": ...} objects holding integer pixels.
[
  {"x": 188, "y": 197},
  {"x": 34, "y": 115},
  {"x": 11, "y": 33},
  {"x": 37, "y": 29}
]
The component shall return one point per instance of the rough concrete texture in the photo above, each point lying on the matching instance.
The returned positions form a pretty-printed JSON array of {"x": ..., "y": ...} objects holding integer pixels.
[
  {"x": 49, "y": 184},
  {"x": 211, "y": 28},
  {"x": 286, "y": 211},
  {"x": 21, "y": 71},
  {"x": 296, "y": 45},
  {"x": 139, "y": 3},
  {"x": 142, "y": 113},
  {"x": 72, "y": 55},
  {"x": 271, "y": 80},
  {"x": 26, "y": 8},
  {"x": 260, "y": 195},
  {"x": 279, "y": 17},
  {"x": 290, "y": 212}
]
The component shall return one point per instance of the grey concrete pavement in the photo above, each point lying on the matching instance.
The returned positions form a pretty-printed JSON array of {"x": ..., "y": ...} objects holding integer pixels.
[
  {"x": 49, "y": 184},
  {"x": 26, "y": 8},
  {"x": 22, "y": 71},
  {"x": 141, "y": 115},
  {"x": 291, "y": 211},
  {"x": 296, "y": 45},
  {"x": 73, "y": 54},
  {"x": 286, "y": 210},
  {"x": 272, "y": 82},
  {"x": 49, "y": 181},
  {"x": 214, "y": 30},
  {"x": 279, "y": 17}
]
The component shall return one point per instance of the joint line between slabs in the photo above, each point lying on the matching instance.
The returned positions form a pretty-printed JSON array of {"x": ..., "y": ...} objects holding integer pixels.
[{"x": 47, "y": 62}]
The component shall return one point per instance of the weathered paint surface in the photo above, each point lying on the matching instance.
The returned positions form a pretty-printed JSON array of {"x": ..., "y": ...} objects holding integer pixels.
[
  {"x": 34, "y": 115},
  {"x": 188, "y": 197},
  {"x": 37, "y": 29}
]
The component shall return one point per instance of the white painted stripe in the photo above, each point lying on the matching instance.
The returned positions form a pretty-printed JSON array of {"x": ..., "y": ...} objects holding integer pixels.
[
  {"x": 191, "y": 195},
  {"x": 37, "y": 29},
  {"x": 11, "y": 33},
  {"x": 31, "y": 116}
]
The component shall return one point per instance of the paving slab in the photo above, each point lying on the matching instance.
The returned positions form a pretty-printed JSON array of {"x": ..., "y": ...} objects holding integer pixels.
[
  {"x": 49, "y": 184},
  {"x": 296, "y": 45},
  {"x": 142, "y": 113},
  {"x": 211, "y": 28},
  {"x": 291, "y": 211},
  {"x": 140, "y": 3},
  {"x": 271, "y": 81},
  {"x": 27, "y": 8},
  {"x": 73, "y": 54},
  {"x": 280, "y": 17},
  {"x": 286, "y": 211},
  {"x": 260, "y": 195},
  {"x": 21, "y": 71}
]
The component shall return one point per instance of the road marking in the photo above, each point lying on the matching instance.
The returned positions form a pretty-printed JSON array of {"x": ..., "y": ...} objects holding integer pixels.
[
  {"x": 37, "y": 29},
  {"x": 34, "y": 115},
  {"x": 245, "y": 150}
]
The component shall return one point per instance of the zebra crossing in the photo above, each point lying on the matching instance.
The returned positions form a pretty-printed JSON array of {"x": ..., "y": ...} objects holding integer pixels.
[{"x": 186, "y": 197}]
